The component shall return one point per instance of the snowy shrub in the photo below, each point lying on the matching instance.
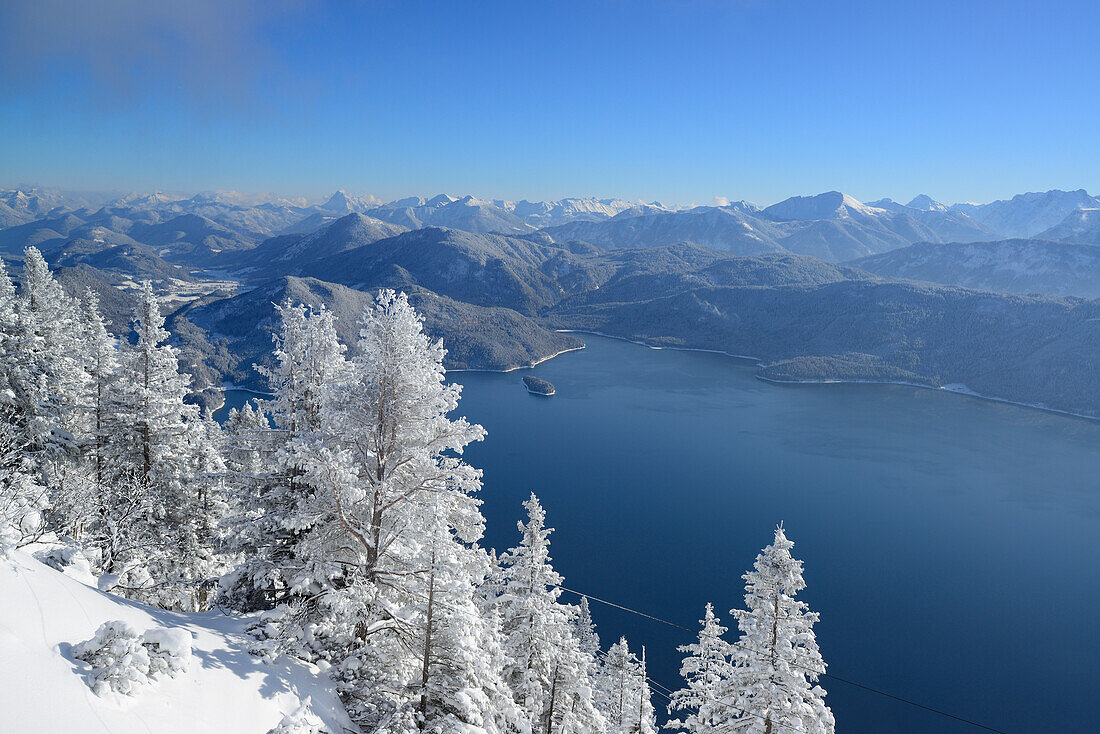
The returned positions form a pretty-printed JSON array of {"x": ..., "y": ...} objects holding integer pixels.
[
  {"x": 302, "y": 721},
  {"x": 119, "y": 660},
  {"x": 169, "y": 650},
  {"x": 67, "y": 559},
  {"x": 122, "y": 661}
]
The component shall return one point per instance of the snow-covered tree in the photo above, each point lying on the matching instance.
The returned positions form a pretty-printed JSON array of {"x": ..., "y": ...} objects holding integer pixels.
[
  {"x": 390, "y": 456},
  {"x": 83, "y": 482},
  {"x": 547, "y": 670},
  {"x": 23, "y": 500},
  {"x": 101, "y": 359},
  {"x": 47, "y": 375},
  {"x": 387, "y": 586},
  {"x": 279, "y": 436},
  {"x": 770, "y": 689},
  {"x": 585, "y": 631},
  {"x": 46, "y": 383},
  {"x": 9, "y": 336},
  {"x": 624, "y": 691},
  {"x": 308, "y": 357},
  {"x": 706, "y": 670},
  {"x": 164, "y": 447},
  {"x": 247, "y": 450}
]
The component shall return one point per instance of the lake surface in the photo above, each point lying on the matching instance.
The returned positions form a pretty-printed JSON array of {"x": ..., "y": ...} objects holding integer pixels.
[{"x": 951, "y": 544}]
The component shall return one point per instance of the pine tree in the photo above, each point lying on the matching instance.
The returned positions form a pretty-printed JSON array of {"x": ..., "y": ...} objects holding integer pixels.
[
  {"x": 103, "y": 389},
  {"x": 48, "y": 381},
  {"x": 585, "y": 631},
  {"x": 83, "y": 479},
  {"x": 47, "y": 378},
  {"x": 284, "y": 431},
  {"x": 588, "y": 694},
  {"x": 247, "y": 451},
  {"x": 706, "y": 670},
  {"x": 168, "y": 452},
  {"x": 546, "y": 669},
  {"x": 23, "y": 500},
  {"x": 777, "y": 660},
  {"x": 388, "y": 457},
  {"x": 625, "y": 694},
  {"x": 9, "y": 338},
  {"x": 387, "y": 590}
]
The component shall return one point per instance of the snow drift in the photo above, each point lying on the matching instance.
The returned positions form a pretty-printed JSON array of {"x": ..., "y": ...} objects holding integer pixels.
[{"x": 45, "y": 615}]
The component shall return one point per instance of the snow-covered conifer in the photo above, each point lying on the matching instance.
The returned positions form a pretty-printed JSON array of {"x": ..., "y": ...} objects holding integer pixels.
[
  {"x": 776, "y": 661},
  {"x": 280, "y": 436},
  {"x": 547, "y": 670},
  {"x": 9, "y": 335},
  {"x": 624, "y": 691},
  {"x": 171, "y": 454},
  {"x": 705, "y": 670},
  {"x": 388, "y": 462},
  {"x": 387, "y": 591},
  {"x": 585, "y": 630},
  {"x": 49, "y": 379},
  {"x": 23, "y": 500},
  {"x": 101, "y": 359}
]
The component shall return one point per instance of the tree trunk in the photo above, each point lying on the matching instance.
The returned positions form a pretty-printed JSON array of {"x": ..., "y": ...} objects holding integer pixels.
[
  {"x": 553, "y": 695},
  {"x": 427, "y": 647}
]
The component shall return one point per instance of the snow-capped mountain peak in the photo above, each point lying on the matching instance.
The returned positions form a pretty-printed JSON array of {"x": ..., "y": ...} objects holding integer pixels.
[
  {"x": 830, "y": 205},
  {"x": 926, "y": 203},
  {"x": 338, "y": 202}
]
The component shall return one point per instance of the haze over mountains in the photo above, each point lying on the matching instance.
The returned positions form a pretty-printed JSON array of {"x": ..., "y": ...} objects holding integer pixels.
[{"x": 817, "y": 287}]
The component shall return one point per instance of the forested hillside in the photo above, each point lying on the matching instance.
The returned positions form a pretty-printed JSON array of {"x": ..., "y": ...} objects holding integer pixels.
[{"x": 334, "y": 526}]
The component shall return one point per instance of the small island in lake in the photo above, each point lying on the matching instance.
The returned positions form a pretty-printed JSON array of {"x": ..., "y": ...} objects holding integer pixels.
[{"x": 537, "y": 386}]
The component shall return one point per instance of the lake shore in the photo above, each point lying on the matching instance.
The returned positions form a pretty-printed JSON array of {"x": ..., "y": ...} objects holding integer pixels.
[
  {"x": 658, "y": 347},
  {"x": 953, "y": 388},
  {"x": 536, "y": 363}
]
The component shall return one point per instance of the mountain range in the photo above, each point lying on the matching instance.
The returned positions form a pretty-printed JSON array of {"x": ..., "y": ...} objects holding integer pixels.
[
  {"x": 833, "y": 225},
  {"x": 819, "y": 287}
]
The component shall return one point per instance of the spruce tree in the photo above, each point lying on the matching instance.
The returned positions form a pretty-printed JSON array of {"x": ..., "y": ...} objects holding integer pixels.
[
  {"x": 170, "y": 454},
  {"x": 280, "y": 435},
  {"x": 547, "y": 670},
  {"x": 23, "y": 500},
  {"x": 776, "y": 662},
  {"x": 624, "y": 691},
  {"x": 706, "y": 670},
  {"x": 103, "y": 390},
  {"x": 387, "y": 590},
  {"x": 9, "y": 337},
  {"x": 49, "y": 377},
  {"x": 49, "y": 385}
]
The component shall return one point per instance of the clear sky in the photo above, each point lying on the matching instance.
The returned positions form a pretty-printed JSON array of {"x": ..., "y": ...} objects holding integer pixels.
[{"x": 675, "y": 100}]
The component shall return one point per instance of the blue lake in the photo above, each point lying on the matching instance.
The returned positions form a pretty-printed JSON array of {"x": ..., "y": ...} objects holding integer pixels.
[{"x": 950, "y": 543}]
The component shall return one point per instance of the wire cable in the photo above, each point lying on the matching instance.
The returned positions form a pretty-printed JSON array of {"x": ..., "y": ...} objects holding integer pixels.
[{"x": 831, "y": 676}]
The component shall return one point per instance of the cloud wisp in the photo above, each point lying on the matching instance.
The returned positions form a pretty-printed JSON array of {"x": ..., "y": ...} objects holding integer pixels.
[{"x": 207, "y": 48}]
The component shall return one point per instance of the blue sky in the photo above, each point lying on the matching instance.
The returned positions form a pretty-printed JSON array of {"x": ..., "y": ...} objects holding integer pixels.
[{"x": 675, "y": 100}]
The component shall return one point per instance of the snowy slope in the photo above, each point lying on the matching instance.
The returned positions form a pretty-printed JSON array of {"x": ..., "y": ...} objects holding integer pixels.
[
  {"x": 1010, "y": 266},
  {"x": 830, "y": 205},
  {"x": 43, "y": 613},
  {"x": 926, "y": 203},
  {"x": 1081, "y": 227},
  {"x": 1026, "y": 215}
]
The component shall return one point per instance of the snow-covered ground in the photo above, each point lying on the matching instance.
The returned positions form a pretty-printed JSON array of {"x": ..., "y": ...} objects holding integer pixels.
[{"x": 44, "y": 613}]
